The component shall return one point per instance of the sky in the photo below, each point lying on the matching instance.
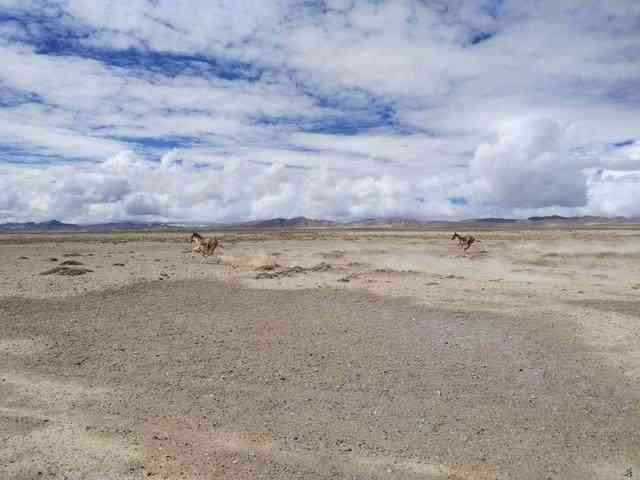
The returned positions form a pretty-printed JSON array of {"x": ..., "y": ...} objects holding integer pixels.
[{"x": 231, "y": 110}]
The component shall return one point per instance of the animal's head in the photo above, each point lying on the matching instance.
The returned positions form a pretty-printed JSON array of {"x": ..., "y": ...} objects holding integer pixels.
[
  {"x": 195, "y": 236},
  {"x": 454, "y": 236}
]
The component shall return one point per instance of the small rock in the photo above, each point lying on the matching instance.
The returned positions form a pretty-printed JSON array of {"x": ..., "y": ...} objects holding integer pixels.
[{"x": 71, "y": 262}]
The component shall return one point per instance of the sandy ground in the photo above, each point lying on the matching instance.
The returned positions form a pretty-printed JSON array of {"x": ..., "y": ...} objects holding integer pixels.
[{"x": 321, "y": 354}]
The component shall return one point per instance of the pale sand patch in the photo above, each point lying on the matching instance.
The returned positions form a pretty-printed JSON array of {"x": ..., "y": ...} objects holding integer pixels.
[
  {"x": 20, "y": 346},
  {"x": 49, "y": 436},
  {"x": 64, "y": 449}
]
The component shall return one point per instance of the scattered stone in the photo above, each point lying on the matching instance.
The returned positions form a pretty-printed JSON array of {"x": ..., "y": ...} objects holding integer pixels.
[
  {"x": 267, "y": 276},
  {"x": 81, "y": 361},
  {"x": 321, "y": 267},
  {"x": 71, "y": 262},
  {"x": 268, "y": 267},
  {"x": 288, "y": 272},
  {"x": 393, "y": 271},
  {"x": 67, "y": 271},
  {"x": 23, "y": 258},
  {"x": 333, "y": 254},
  {"x": 348, "y": 278},
  {"x": 53, "y": 259},
  {"x": 459, "y": 277},
  {"x": 72, "y": 254},
  {"x": 355, "y": 264}
]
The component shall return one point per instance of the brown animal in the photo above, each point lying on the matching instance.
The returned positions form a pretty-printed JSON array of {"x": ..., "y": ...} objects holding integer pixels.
[
  {"x": 204, "y": 246},
  {"x": 464, "y": 241}
]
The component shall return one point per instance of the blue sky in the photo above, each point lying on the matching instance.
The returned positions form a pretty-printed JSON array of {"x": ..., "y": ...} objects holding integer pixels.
[{"x": 225, "y": 110}]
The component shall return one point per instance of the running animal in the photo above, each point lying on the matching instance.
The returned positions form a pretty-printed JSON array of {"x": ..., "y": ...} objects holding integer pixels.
[
  {"x": 204, "y": 246},
  {"x": 464, "y": 241}
]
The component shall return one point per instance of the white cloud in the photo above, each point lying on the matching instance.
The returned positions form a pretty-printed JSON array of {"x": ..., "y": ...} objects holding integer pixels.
[
  {"x": 530, "y": 165},
  {"x": 127, "y": 187},
  {"x": 237, "y": 109}
]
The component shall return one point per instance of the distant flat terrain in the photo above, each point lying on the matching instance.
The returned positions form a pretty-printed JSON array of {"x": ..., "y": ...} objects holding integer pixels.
[{"x": 321, "y": 354}]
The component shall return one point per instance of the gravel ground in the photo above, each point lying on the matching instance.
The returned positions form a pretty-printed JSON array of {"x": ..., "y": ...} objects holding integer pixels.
[{"x": 211, "y": 373}]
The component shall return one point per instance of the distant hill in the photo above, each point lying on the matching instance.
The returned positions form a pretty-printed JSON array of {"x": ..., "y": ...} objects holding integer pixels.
[
  {"x": 127, "y": 226},
  {"x": 304, "y": 222},
  {"x": 582, "y": 219},
  {"x": 492, "y": 220},
  {"x": 385, "y": 222},
  {"x": 411, "y": 222},
  {"x": 52, "y": 225},
  {"x": 286, "y": 223},
  {"x": 57, "y": 226}
]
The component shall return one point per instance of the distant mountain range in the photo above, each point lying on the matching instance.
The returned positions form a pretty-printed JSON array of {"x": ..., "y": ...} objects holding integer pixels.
[
  {"x": 287, "y": 223},
  {"x": 303, "y": 222},
  {"x": 57, "y": 226},
  {"x": 584, "y": 219}
]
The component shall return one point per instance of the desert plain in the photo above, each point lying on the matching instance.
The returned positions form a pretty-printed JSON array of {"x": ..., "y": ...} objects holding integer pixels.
[{"x": 315, "y": 354}]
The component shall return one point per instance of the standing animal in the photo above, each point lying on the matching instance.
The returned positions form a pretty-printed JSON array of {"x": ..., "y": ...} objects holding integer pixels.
[
  {"x": 464, "y": 241},
  {"x": 204, "y": 246}
]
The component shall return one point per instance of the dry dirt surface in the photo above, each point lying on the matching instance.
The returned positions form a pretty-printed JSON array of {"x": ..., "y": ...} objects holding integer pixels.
[{"x": 321, "y": 354}]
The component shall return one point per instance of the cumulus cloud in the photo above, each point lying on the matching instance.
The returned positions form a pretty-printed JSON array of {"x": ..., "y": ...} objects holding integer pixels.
[
  {"x": 530, "y": 165},
  {"x": 129, "y": 187}
]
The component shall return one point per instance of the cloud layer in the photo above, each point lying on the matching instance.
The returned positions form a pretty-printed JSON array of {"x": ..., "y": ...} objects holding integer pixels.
[{"x": 229, "y": 110}]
